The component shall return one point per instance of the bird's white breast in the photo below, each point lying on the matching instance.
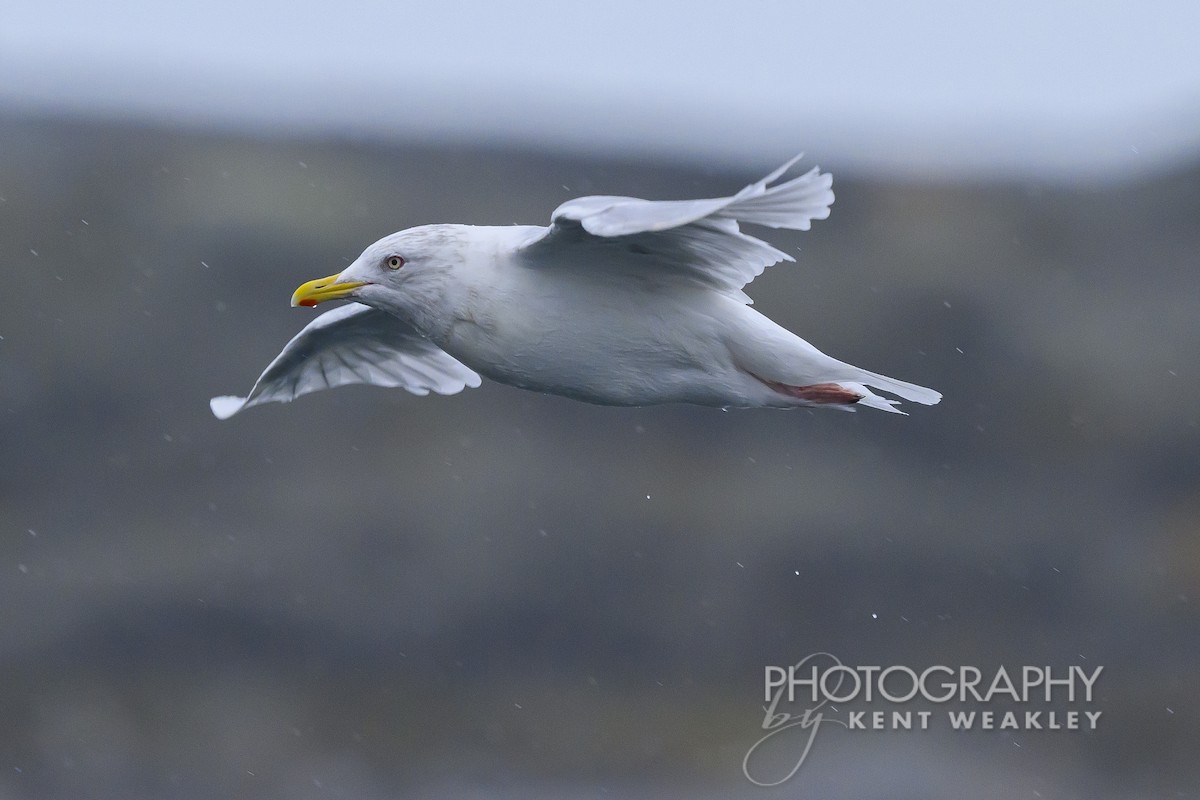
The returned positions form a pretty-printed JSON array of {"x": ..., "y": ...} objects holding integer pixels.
[{"x": 587, "y": 333}]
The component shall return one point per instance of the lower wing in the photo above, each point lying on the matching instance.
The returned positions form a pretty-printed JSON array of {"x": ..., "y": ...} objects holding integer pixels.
[{"x": 353, "y": 343}]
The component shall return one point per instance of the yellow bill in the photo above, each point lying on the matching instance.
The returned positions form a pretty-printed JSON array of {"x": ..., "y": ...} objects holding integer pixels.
[{"x": 322, "y": 289}]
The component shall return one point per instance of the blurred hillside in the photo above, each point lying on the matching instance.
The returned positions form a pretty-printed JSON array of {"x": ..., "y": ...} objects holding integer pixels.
[{"x": 502, "y": 594}]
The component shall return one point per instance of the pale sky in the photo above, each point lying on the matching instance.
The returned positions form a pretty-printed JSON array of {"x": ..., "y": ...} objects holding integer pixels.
[{"x": 959, "y": 89}]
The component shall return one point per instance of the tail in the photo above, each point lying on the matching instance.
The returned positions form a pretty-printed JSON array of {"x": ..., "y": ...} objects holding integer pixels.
[
  {"x": 908, "y": 391},
  {"x": 793, "y": 204}
]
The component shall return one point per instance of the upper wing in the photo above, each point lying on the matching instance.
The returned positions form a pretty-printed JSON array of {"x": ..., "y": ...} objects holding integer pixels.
[
  {"x": 697, "y": 240},
  {"x": 353, "y": 343}
]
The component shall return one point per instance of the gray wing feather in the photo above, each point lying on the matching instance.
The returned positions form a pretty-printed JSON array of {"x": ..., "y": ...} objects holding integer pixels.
[
  {"x": 353, "y": 343},
  {"x": 698, "y": 240}
]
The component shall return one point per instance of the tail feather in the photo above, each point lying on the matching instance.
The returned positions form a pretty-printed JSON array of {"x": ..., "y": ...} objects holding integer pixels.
[
  {"x": 909, "y": 391},
  {"x": 870, "y": 399}
]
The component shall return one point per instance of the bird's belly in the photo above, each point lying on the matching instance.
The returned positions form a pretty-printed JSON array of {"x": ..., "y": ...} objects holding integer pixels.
[{"x": 606, "y": 356}]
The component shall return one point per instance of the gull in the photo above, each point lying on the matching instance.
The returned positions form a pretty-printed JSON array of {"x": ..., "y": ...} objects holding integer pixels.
[{"x": 619, "y": 301}]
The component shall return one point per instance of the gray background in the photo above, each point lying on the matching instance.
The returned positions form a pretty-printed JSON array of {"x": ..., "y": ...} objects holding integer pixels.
[{"x": 502, "y": 594}]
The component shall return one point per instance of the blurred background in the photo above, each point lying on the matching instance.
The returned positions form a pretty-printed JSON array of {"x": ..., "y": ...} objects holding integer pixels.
[{"x": 367, "y": 594}]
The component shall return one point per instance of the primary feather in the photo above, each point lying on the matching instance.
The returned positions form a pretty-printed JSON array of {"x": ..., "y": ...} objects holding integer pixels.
[
  {"x": 352, "y": 344},
  {"x": 695, "y": 239}
]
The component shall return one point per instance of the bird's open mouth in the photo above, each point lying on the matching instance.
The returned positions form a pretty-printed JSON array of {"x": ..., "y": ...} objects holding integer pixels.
[{"x": 322, "y": 289}]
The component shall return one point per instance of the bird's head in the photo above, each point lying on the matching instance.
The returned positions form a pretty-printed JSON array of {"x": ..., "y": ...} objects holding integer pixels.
[{"x": 402, "y": 266}]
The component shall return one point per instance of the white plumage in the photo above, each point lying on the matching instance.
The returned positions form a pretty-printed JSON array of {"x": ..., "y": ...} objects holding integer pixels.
[
  {"x": 353, "y": 344},
  {"x": 618, "y": 301}
]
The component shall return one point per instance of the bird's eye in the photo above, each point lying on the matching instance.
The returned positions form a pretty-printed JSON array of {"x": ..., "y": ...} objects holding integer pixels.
[{"x": 394, "y": 262}]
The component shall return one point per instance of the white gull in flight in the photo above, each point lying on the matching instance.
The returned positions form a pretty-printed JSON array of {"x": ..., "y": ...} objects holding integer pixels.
[{"x": 619, "y": 301}]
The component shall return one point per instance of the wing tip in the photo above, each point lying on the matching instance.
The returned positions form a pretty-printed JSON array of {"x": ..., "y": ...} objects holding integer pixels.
[
  {"x": 778, "y": 172},
  {"x": 226, "y": 406},
  {"x": 458, "y": 384}
]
